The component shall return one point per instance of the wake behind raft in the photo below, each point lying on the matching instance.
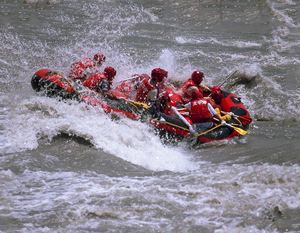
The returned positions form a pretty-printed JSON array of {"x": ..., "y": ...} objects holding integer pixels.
[{"x": 55, "y": 84}]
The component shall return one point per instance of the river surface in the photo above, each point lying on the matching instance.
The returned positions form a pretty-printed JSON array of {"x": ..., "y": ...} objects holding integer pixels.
[{"x": 66, "y": 167}]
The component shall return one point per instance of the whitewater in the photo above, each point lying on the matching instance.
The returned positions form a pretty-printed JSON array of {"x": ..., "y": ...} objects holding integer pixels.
[{"x": 68, "y": 167}]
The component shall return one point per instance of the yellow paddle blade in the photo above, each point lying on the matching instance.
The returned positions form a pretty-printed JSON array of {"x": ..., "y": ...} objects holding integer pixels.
[
  {"x": 239, "y": 130},
  {"x": 140, "y": 104}
]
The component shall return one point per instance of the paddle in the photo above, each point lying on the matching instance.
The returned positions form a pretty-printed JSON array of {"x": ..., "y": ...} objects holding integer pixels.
[
  {"x": 207, "y": 131},
  {"x": 237, "y": 129},
  {"x": 193, "y": 132},
  {"x": 138, "y": 104},
  {"x": 222, "y": 83},
  {"x": 128, "y": 79},
  {"x": 227, "y": 78}
]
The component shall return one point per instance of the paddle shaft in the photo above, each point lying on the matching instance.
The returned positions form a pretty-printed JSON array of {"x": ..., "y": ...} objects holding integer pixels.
[
  {"x": 127, "y": 79},
  {"x": 227, "y": 77},
  {"x": 234, "y": 115},
  {"x": 237, "y": 129}
]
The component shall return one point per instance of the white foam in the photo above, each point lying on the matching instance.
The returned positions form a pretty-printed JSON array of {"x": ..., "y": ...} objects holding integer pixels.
[
  {"x": 167, "y": 60},
  {"x": 181, "y": 40},
  {"x": 225, "y": 43},
  {"x": 281, "y": 14},
  {"x": 253, "y": 69},
  {"x": 132, "y": 141},
  {"x": 280, "y": 41}
]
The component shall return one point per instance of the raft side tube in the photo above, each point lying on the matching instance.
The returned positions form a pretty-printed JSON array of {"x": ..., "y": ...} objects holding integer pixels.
[
  {"x": 232, "y": 103},
  {"x": 52, "y": 84}
]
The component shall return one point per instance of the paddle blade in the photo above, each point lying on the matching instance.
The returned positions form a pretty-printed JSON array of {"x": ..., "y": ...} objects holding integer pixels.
[
  {"x": 139, "y": 104},
  {"x": 239, "y": 130}
]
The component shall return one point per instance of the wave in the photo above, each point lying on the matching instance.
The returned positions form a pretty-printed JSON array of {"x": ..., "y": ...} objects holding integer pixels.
[
  {"x": 225, "y": 43},
  {"x": 41, "y": 117}
]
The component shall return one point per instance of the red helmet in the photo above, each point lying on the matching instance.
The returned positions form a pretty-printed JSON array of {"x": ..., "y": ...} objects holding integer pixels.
[
  {"x": 197, "y": 76},
  {"x": 158, "y": 74},
  {"x": 216, "y": 94},
  {"x": 99, "y": 58},
  {"x": 216, "y": 90},
  {"x": 194, "y": 92},
  {"x": 110, "y": 72}
]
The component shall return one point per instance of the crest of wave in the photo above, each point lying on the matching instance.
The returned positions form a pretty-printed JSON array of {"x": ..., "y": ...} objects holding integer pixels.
[{"x": 132, "y": 141}]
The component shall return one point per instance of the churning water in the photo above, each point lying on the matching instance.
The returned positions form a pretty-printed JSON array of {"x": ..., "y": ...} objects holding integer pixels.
[{"x": 66, "y": 167}]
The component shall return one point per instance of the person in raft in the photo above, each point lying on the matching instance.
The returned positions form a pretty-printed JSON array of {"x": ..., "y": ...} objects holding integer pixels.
[
  {"x": 201, "y": 112},
  {"x": 101, "y": 82},
  {"x": 195, "y": 80},
  {"x": 80, "y": 70},
  {"x": 148, "y": 88}
]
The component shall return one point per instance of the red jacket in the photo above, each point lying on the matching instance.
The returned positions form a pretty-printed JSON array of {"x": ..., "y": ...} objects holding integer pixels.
[
  {"x": 168, "y": 99},
  {"x": 94, "y": 82},
  {"x": 78, "y": 69},
  {"x": 199, "y": 111},
  {"x": 143, "y": 88},
  {"x": 184, "y": 89},
  {"x": 212, "y": 102},
  {"x": 128, "y": 87}
]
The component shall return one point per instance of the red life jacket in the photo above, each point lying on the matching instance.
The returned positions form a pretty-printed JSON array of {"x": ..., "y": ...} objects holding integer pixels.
[
  {"x": 188, "y": 83},
  {"x": 94, "y": 80},
  {"x": 199, "y": 111},
  {"x": 78, "y": 68},
  {"x": 211, "y": 101},
  {"x": 143, "y": 88},
  {"x": 128, "y": 87},
  {"x": 184, "y": 89},
  {"x": 168, "y": 99},
  {"x": 125, "y": 88}
]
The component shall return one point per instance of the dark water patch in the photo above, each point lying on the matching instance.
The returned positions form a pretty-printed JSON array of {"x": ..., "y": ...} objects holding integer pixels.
[
  {"x": 42, "y": 108},
  {"x": 281, "y": 219},
  {"x": 67, "y": 138},
  {"x": 102, "y": 215},
  {"x": 11, "y": 223},
  {"x": 71, "y": 154},
  {"x": 288, "y": 220}
]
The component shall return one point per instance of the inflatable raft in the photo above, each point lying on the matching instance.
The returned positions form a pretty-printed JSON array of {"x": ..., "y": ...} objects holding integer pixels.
[{"x": 55, "y": 84}]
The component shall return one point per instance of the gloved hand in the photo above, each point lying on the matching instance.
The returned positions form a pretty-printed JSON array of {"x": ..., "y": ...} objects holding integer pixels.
[
  {"x": 226, "y": 117},
  {"x": 218, "y": 111},
  {"x": 193, "y": 132}
]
